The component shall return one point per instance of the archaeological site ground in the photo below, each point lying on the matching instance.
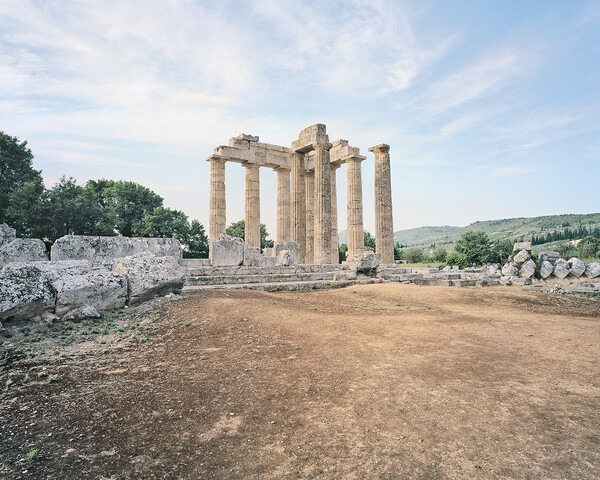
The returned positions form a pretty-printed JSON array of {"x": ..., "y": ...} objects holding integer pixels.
[{"x": 369, "y": 381}]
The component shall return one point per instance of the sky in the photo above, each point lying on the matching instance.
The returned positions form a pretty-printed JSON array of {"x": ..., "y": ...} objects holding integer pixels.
[{"x": 491, "y": 109}]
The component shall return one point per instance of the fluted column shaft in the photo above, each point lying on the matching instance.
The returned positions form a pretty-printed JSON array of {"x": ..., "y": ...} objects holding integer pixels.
[
  {"x": 356, "y": 237},
  {"x": 217, "y": 201},
  {"x": 298, "y": 206},
  {"x": 384, "y": 229},
  {"x": 310, "y": 216},
  {"x": 335, "y": 257},
  {"x": 322, "y": 208},
  {"x": 252, "y": 219},
  {"x": 283, "y": 205}
]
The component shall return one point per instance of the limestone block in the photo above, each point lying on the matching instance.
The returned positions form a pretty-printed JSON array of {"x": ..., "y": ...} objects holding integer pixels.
[
  {"x": 561, "y": 268},
  {"x": 251, "y": 257},
  {"x": 546, "y": 269},
  {"x": 81, "y": 313},
  {"x": 285, "y": 258},
  {"x": 447, "y": 268},
  {"x": 82, "y": 247},
  {"x": 315, "y": 134},
  {"x": 551, "y": 257},
  {"x": 518, "y": 246},
  {"x": 522, "y": 256},
  {"x": 268, "y": 252},
  {"x": 510, "y": 270},
  {"x": 228, "y": 251},
  {"x": 7, "y": 234},
  {"x": 364, "y": 262},
  {"x": 527, "y": 269},
  {"x": 267, "y": 262},
  {"x": 149, "y": 275},
  {"x": 491, "y": 269},
  {"x": 576, "y": 267},
  {"x": 23, "y": 250},
  {"x": 292, "y": 247},
  {"x": 25, "y": 291},
  {"x": 507, "y": 280},
  {"x": 593, "y": 270}
]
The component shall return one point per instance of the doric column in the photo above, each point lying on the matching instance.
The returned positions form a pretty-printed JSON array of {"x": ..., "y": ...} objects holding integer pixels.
[
  {"x": 384, "y": 229},
  {"x": 283, "y": 205},
  {"x": 298, "y": 206},
  {"x": 310, "y": 216},
  {"x": 335, "y": 257},
  {"x": 356, "y": 237},
  {"x": 322, "y": 200},
  {"x": 217, "y": 200},
  {"x": 252, "y": 220}
]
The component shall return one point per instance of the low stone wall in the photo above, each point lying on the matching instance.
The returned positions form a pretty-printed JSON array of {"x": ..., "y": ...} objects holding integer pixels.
[{"x": 80, "y": 247}]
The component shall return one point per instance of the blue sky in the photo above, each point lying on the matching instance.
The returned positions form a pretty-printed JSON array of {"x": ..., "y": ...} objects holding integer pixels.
[{"x": 491, "y": 109}]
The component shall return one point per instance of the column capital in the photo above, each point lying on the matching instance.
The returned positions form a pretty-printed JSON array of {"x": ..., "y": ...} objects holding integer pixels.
[
  {"x": 280, "y": 168},
  {"x": 382, "y": 147},
  {"x": 250, "y": 165},
  {"x": 216, "y": 158},
  {"x": 324, "y": 145},
  {"x": 354, "y": 158}
]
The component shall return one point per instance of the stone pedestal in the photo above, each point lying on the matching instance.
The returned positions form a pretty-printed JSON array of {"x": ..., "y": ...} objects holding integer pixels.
[
  {"x": 334, "y": 248},
  {"x": 217, "y": 200},
  {"x": 298, "y": 205},
  {"x": 384, "y": 229},
  {"x": 356, "y": 238},
  {"x": 283, "y": 205},
  {"x": 310, "y": 217},
  {"x": 252, "y": 219},
  {"x": 322, "y": 208}
]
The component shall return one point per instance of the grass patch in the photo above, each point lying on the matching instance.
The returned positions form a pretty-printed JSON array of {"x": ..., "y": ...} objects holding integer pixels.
[{"x": 32, "y": 455}]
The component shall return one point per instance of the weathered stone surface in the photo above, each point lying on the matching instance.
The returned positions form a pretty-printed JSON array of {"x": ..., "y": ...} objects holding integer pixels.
[
  {"x": 81, "y": 247},
  {"x": 228, "y": 251},
  {"x": 447, "y": 268},
  {"x": 25, "y": 291},
  {"x": 518, "y": 246},
  {"x": 561, "y": 268},
  {"x": 251, "y": 257},
  {"x": 522, "y": 256},
  {"x": 81, "y": 313},
  {"x": 149, "y": 275},
  {"x": 527, "y": 269},
  {"x": 546, "y": 269},
  {"x": 285, "y": 258},
  {"x": 576, "y": 267},
  {"x": 7, "y": 234},
  {"x": 292, "y": 247},
  {"x": 364, "y": 262},
  {"x": 507, "y": 280},
  {"x": 491, "y": 269},
  {"x": 551, "y": 257},
  {"x": 23, "y": 250},
  {"x": 593, "y": 270},
  {"x": 510, "y": 270},
  {"x": 267, "y": 262}
]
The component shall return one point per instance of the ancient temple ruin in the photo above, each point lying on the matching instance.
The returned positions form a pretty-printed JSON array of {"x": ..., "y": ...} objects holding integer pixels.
[{"x": 306, "y": 193}]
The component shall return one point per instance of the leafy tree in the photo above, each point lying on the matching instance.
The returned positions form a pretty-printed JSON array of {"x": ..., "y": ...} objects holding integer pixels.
[
  {"x": 15, "y": 169},
  {"x": 369, "y": 240},
  {"x": 164, "y": 222},
  {"x": 29, "y": 210},
  {"x": 398, "y": 254},
  {"x": 439, "y": 255},
  {"x": 458, "y": 259},
  {"x": 342, "y": 252},
  {"x": 475, "y": 246},
  {"x": 238, "y": 229},
  {"x": 589, "y": 247},
  {"x": 500, "y": 251},
  {"x": 413, "y": 255},
  {"x": 566, "y": 250},
  {"x": 197, "y": 244}
]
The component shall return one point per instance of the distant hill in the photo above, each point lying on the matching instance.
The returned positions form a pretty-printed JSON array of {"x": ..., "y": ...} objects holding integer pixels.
[{"x": 511, "y": 228}]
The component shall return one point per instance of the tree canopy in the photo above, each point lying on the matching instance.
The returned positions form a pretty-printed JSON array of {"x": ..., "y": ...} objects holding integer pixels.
[{"x": 238, "y": 229}]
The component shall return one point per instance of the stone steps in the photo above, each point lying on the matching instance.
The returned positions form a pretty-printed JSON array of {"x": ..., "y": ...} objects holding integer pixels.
[
  {"x": 299, "y": 286},
  {"x": 241, "y": 270},
  {"x": 268, "y": 278}
]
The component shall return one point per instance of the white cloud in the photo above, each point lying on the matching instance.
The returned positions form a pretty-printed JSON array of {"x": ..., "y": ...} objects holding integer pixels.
[{"x": 510, "y": 171}]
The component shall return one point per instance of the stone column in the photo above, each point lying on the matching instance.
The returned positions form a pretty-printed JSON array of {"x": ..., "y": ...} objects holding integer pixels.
[
  {"x": 356, "y": 236},
  {"x": 283, "y": 205},
  {"x": 322, "y": 204},
  {"x": 298, "y": 206},
  {"x": 310, "y": 216},
  {"x": 217, "y": 200},
  {"x": 384, "y": 229},
  {"x": 252, "y": 219},
  {"x": 335, "y": 256}
]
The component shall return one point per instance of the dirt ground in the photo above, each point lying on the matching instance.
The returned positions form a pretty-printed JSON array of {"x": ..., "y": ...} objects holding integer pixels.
[{"x": 369, "y": 382}]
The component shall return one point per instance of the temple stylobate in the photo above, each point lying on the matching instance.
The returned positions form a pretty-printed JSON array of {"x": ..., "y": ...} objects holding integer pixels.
[{"x": 306, "y": 193}]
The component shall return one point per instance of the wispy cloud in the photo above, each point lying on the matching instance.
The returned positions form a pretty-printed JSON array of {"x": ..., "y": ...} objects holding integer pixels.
[{"x": 510, "y": 171}]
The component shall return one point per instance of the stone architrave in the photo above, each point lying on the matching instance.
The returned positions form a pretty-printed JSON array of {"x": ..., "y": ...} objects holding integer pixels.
[
  {"x": 356, "y": 238},
  {"x": 298, "y": 206},
  {"x": 322, "y": 209},
  {"x": 384, "y": 228},
  {"x": 252, "y": 218},
  {"x": 217, "y": 199},
  {"x": 310, "y": 217},
  {"x": 283, "y": 205},
  {"x": 335, "y": 256}
]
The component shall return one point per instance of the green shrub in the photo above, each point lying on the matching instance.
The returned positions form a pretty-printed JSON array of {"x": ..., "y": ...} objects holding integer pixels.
[
  {"x": 458, "y": 259},
  {"x": 413, "y": 255},
  {"x": 440, "y": 254}
]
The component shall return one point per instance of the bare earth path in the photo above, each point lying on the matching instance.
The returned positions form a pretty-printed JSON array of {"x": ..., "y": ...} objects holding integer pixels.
[{"x": 380, "y": 381}]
